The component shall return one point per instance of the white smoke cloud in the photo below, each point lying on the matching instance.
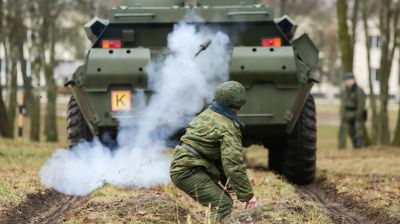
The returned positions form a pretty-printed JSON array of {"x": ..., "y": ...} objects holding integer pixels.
[{"x": 182, "y": 85}]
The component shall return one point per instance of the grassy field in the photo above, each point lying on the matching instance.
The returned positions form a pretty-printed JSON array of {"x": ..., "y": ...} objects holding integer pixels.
[
  {"x": 18, "y": 179},
  {"x": 365, "y": 183},
  {"x": 369, "y": 177}
]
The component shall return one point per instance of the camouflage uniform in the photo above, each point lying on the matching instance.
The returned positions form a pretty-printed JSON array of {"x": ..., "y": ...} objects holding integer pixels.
[
  {"x": 216, "y": 140},
  {"x": 352, "y": 113}
]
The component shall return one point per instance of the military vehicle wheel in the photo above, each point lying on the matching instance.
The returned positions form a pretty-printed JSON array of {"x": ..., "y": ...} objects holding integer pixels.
[
  {"x": 77, "y": 128},
  {"x": 299, "y": 163},
  {"x": 295, "y": 156}
]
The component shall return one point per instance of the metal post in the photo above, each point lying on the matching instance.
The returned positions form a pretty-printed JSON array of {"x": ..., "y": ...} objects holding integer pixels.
[{"x": 21, "y": 113}]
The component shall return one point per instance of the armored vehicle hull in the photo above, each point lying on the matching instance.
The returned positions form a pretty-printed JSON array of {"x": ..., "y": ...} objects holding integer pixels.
[{"x": 275, "y": 69}]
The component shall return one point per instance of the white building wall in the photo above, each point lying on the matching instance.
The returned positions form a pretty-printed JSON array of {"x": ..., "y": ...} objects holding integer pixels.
[{"x": 360, "y": 66}]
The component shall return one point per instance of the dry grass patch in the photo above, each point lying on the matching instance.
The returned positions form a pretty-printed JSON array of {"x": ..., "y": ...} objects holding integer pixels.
[
  {"x": 279, "y": 203},
  {"x": 116, "y": 205},
  {"x": 278, "y": 200},
  {"x": 19, "y": 165},
  {"x": 368, "y": 177}
]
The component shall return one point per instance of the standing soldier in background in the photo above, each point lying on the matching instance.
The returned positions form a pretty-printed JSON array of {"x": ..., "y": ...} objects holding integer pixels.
[
  {"x": 211, "y": 153},
  {"x": 352, "y": 112}
]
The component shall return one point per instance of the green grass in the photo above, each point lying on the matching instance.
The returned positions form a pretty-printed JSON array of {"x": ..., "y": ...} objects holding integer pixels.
[
  {"x": 327, "y": 137},
  {"x": 22, "y": 153},
  {"x": 19, "y": 165}
]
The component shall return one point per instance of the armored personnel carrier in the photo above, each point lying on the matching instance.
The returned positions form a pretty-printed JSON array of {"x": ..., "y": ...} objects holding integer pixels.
[{"x": 275, "y": 68}]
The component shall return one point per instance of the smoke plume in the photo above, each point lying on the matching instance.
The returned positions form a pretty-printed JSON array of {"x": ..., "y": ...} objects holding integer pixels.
[{"x": 181, "y": 85}]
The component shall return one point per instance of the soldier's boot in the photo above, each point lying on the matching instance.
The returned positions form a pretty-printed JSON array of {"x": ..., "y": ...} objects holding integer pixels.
[{"x": 357, "y": 143}]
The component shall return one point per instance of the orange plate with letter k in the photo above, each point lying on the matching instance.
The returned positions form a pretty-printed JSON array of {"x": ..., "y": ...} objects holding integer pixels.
[{"x": 121, "y": 100}]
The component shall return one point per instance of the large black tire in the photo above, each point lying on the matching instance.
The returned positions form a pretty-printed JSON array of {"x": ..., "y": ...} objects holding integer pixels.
[
  {"x": 295, "y": 156},
  {"x": 77, "y": 127}
]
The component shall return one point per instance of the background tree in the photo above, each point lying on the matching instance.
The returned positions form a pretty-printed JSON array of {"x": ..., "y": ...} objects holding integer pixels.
[
  {"x": 4, "y": 122},
  {"x": 283, "y": 7},
  {"x": 347, "y": 35},
  {"x": 368, "y": 10},
  {"x": 35, "y": 49},
  {"x": 396, "y": 138},
  {"x": 388, "y": 25},
  {"x": 50, "y": 11},
  {"x": 20, "y": 42},
  {"x": 12, "y": 58},
  {"x": 21, "y": 34}
]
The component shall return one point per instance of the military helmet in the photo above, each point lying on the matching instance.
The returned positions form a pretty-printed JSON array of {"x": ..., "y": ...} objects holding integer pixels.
[
  {"x": 231, "y": 94},
  {"x": 348, "y": 75}
]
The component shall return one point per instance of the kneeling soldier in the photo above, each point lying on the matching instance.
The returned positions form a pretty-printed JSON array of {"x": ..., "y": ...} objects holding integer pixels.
[{"x": 211, "y": 152}]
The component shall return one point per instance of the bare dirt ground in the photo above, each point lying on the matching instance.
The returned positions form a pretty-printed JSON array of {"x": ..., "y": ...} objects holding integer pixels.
[
  {"x": 342, "y": 208},
  {"x": 45, "y": 207},
  {"x": 336, "y": 211}
]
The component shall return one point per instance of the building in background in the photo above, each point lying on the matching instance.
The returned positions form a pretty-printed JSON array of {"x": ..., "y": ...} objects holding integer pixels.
[
  {"x": 329, "y": 90},
  {"x": 361, "y": 64}
]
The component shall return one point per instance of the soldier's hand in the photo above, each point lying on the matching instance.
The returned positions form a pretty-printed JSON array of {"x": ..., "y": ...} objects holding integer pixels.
[{"x": 252, "y": 203}]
